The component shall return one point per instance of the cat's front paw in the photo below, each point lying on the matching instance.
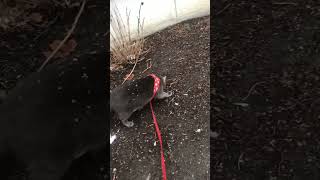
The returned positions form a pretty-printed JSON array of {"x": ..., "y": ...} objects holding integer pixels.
[
  {"x": 169, "y": 93},
  {"x": 128, "y": 124}
]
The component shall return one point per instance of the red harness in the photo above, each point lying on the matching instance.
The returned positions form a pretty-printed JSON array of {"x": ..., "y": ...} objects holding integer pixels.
[{"x": 155, "y": 89}]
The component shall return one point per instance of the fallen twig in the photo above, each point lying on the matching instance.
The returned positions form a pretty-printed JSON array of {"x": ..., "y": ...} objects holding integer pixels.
[
  {"x": 171, "y": 100},
  {"x": 3, "y": 85},
  {"x": 222, "y": 10},
  {"x": 251, "y": 89},
  {"x": 65, "y": 38},
  {"x": 148, "y": 177},
  {"x": 149, "y": 65},
  {"x": 240, "y": 160},
  {"x": 130, "y": 72},
  {"x": 285, "y": 3}
]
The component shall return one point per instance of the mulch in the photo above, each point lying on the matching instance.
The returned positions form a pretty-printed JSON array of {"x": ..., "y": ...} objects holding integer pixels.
[{"x": 265, "y": 90}]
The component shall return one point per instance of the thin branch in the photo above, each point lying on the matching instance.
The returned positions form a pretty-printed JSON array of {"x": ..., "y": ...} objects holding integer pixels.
[
  {"x": 175, "y": 8},
  {"x": 139, "y": 17}
]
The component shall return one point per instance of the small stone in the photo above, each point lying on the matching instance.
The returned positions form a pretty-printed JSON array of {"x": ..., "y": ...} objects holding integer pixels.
[
  {"x": 214, "y": 134},
  {"x": 241, "y": 104},
  {"x": 76, "y": 120},
  {"x": 84, "y": 76},
  {"x": 300, "y": 143},
  {"x": 112, "y": 138}
]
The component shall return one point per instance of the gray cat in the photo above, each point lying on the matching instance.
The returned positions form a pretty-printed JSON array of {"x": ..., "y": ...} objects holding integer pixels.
[{"x": 133, "y": 96}]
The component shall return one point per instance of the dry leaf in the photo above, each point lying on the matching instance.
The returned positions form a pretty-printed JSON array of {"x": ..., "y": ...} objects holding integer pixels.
[
  {"x": 46, "y": 53},
  {"x": 65, "y": 49},
  {"x": 54, "y": 44},
  {"x": 36, "y": 17},
  {"x": 69, "y": 47},
  {"x": 115, "y": 67}
]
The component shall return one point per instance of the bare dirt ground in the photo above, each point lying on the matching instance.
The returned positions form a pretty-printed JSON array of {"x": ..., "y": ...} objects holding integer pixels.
[
  {"x": 22, "y": 52},
  {"x": 265, "y": 94},
  {"x": 181, "y": 53}
]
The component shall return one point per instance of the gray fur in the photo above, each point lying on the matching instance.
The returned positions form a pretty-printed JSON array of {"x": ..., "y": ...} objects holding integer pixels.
[{"x": 133, "y": 96}]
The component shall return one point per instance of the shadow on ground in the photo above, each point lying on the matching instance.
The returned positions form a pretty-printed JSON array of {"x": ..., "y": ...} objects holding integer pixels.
[{"x": 21, "y": 53}]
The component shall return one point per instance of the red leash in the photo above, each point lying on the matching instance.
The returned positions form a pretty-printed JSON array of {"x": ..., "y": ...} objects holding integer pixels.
[{"x": 155, "y": 89}]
